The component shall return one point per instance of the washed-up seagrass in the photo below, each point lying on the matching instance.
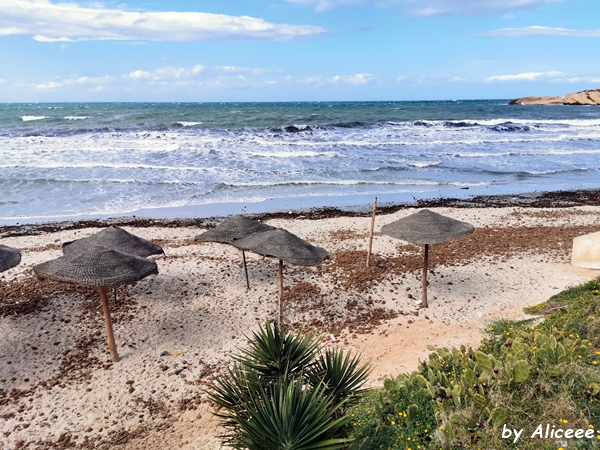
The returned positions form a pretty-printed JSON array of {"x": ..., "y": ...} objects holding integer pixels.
[
  {"x": 9, "y": 257},
  {"x": 114, "y": 238}
]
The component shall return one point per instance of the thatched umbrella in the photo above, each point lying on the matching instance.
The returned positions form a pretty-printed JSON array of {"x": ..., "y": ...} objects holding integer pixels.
[
  {"x": 427, "y": 227},
  {"x": 98, "y": 266},
  {"x": 232, "y": 228},
  {"x": 285, "y": 246},
  {"x": 9, "y": 257},
  {"x": 115, "y": 238}
]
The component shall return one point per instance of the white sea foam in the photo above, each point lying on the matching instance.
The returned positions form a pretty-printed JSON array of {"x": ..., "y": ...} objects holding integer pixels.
[
  {"x": 189, "y": 124},
  {"x": 424, "y": 164},
  {"x": 76, "y": 117},
  {"x": 297, "y": 154},
  {"x": 30, "y": 118}
]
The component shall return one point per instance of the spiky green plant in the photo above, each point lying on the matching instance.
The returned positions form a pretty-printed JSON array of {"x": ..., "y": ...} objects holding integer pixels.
[
  {"x": 287, "y": 415},
  {"x": 341, "y": 374},
  {"x": 282, "y": 394},
  {"x": 274, "y": 354}
]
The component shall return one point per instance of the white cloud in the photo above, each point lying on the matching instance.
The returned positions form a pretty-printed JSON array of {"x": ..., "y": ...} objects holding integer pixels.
[
  {"x": 69, "y": 22},
  {"x": 166, "y": 73},
  {"x": 47, "y": 86},
  {"x": 89, "y": 80},
  {"x": 474, "y": 7},
  {"x": 527, "y": 76},
  {"x": 581, "y": 79},
  {"x": 358, "y": 79},
  {"x": 2, "y": 81},
  {"x": 436, "y": 7},
  {"x": 328, "y": 5},
  {"x": 543, "y": 31}
]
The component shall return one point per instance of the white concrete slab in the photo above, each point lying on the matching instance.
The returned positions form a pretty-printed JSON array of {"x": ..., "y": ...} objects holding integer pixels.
[{"x": 586, "y": 251}]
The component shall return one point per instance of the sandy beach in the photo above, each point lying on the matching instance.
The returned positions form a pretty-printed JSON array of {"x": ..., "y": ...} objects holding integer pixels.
[{"x": 176, "y": 330}]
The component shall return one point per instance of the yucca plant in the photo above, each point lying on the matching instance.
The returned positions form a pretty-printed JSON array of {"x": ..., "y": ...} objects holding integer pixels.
[
  {"x": 341, "y": 375},
  {"x": 283, "y": 394},
  {"x": 233, "y": 393},
  {"x": 274, "y": 354},
  {"x": 287, "y": 415}
]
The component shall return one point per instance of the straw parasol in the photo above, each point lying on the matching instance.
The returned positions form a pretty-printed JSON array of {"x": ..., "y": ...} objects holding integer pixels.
[
  {"x": 232, "y": 228},
  {"x": 9, "y": 257},
  {"x": 116, "y": 238},
  {"x": 98, "y": 266},
  {"x": 285, "y": 246},
  {"x": 427, "y": 227}
]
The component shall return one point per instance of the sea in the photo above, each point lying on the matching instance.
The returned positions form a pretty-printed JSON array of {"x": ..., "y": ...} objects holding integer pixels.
[{"x": 98, "y": 160}]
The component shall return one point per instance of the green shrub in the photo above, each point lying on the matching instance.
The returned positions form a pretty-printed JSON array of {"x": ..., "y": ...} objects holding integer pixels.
[
  {"x": 286, "y": 392},
  {"x": 521, "y": 375}
]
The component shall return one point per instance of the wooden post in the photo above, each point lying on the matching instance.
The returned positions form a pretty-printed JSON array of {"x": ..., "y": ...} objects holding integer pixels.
[
  {"x": 114, "y": 294},
  {"x": 372, "y": 228},
  {"x": 246, "y": 270},
  {"x": 281, "y": 294},
  {"x": 109, "y": 330},
  {"x": 424, "y": 301}
]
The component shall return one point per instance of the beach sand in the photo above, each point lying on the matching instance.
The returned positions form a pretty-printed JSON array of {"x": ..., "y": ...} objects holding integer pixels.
[{"x": 60, "y": 389}]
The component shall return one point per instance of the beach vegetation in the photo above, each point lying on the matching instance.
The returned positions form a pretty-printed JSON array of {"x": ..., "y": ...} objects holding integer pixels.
[
  {"x": 287, "y": 391},
  {"x": 523, "y": 374}
]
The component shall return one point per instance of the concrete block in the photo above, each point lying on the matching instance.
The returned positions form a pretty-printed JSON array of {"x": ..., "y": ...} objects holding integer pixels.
[{"x": 586, "y": 251}]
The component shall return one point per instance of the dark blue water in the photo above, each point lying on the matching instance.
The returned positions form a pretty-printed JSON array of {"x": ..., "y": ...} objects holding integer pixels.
[{"x": 116, "y": 158}]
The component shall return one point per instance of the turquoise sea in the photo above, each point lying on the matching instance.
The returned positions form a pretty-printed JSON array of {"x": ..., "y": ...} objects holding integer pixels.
[{"x": 188, "y": 159}]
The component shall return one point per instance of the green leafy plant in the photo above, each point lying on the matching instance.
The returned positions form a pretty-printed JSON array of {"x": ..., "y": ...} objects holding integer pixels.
[
  {"x": 285, "y": 391},
  {"x": 521, "y": 375},
  {"x": 341, "y": 375},
  {"x": 274, "y": 354}
]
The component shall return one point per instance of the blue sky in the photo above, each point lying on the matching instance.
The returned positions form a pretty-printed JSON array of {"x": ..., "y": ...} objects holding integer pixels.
[{"x": 296, "y": 50}]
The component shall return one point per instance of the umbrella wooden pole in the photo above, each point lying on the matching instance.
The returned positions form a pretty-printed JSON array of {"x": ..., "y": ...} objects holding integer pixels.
[
  {"x": 424, "y": 301},
  {"x": 109, "y": 330},
  {"x": 281, "y": 294},
  {"x": 372, "y": 228},
  {"x": 246, "y": 269}
]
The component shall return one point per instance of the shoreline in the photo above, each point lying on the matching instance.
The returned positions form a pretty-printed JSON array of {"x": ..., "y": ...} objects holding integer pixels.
[{"x": 541, "y": 199}]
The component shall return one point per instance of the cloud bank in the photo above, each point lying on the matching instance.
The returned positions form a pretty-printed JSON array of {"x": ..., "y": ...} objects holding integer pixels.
[
  {"x": 527, "y": 76},
  {"x": 435, "y": 7},
  {"x": 69, "y": 22},
  {"x": 543, "y": 31}
]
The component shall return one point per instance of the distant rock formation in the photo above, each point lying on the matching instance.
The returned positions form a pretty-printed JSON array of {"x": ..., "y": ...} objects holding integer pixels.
[{"x": 589, "y": 98}]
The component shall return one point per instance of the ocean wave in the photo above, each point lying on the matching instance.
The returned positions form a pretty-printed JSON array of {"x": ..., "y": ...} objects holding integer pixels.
[
  {"x": 76, "y": 117},
  {"x": 31, "y": 118},
  {"x": 189, "y": 124},
  {"x": 423, "y": 164},
  {"x": 99, "y": 165},
  {"x": 407, "y": 182},
  {"x": 295, "y": 154}
]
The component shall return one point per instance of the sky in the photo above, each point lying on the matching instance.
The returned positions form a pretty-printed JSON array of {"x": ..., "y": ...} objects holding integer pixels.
[{"x": 296, "y": 50}]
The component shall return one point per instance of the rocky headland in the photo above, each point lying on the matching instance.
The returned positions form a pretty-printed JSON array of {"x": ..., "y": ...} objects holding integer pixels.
[{"x": 583, "y": 98}]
